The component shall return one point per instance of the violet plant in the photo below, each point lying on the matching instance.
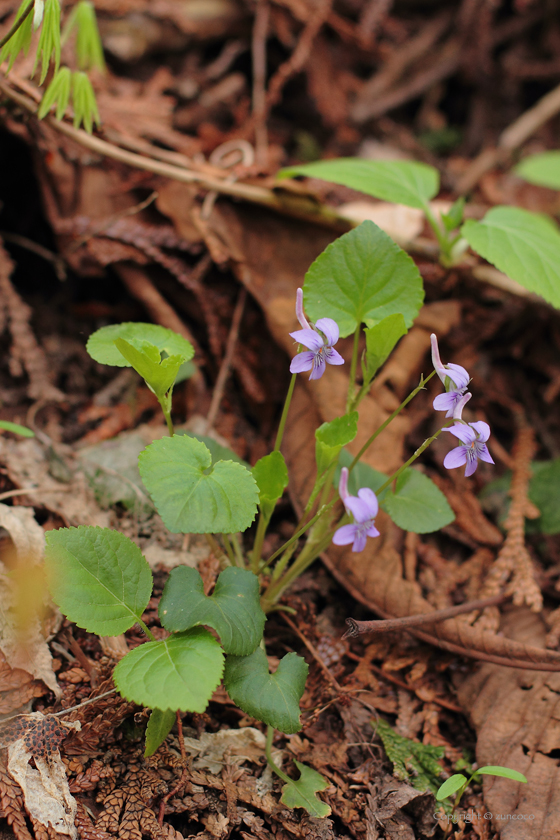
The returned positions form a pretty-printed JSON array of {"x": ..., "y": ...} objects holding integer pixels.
[{"x": 100, "y": 579}]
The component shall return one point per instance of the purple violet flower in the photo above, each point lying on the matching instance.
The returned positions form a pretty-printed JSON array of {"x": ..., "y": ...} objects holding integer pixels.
[
  {"x": 473, "y": 437},
  {"x": 363, "y": 508},
  {"x": 319, "y": 338},
  {"x": 451, "y": 375}
]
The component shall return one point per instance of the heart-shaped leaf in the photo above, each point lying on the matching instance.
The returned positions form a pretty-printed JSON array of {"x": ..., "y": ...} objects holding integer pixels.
[
  {"x": 191, "y": 495},
  {"x": 159, "y": 726},
  {"x": 180, "y": 672},
  {"x": 98, "y": 577},
  {"x": 524, "y": 245},
  {"x": 101, "y": 345},
  {"x": 159, "y": 374},
  {"x": 233, "y": 610},
  {"x": 401, "y": 181},
  {"x": 417, "y": 504},
  {"x": 301, "y": 793},
  {"x": 271, "y": 698},
  {"x": 217, "y": 450},
  {"x": 362, "y": 277},
  {"x": 542, "y": 169}
]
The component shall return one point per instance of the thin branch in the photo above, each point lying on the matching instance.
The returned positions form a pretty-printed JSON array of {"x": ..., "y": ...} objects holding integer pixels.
[{"x": 17, "y": 24}]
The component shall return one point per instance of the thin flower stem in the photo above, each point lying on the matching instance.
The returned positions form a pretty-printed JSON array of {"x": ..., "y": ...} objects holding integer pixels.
[
  {"x": 413, "y": 458},
  {"x": 258, "y": 544},
  {"x": 165, "y": 403},
  {"x": 353, "y": 367},
  {"x": 17, "y": 24},
  {"x": 218, "y": 551},
  {"x": 237, "y": 550},
  {"x": 270, "y": 760},
  {"x": 285, "y": 410},
  {"x": 146, "y": 630},
  {"x": 391, "y": 417},
  {"x": 442, "y": 238},
  {"x": 228, "y": 545},
  {"x": 299, "y": 533}
]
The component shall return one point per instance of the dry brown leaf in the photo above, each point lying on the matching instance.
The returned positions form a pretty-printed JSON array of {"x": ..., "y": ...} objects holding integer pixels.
[
  {"x": 517, "y": 718},
  {"x": 23, "y": 603}
]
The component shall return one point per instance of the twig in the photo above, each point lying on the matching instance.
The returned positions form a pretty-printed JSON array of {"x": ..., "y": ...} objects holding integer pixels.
[
  {"x": 510, "y": 139},
  {"x": 370, "y": 17},
  {"x": 291, "y": 204},
  {"x": 142, "y": 288},
  {"x": 357, "y": 628},
  {"x": 227, "y": 360},
  {"x": 258, "y": 47},
  {"x": 23, "y": 242}
]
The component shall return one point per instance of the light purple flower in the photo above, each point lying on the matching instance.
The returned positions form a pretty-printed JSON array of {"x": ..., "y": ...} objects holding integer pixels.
[
  {"x": 363, "y": 508},
  {"x": 319, "y": 338},
  {"x": 451, "y": 375},
  {"x": 474, "y": 437}
]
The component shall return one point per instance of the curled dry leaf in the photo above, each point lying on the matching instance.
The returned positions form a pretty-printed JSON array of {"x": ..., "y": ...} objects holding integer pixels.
[
  {"x": 45, "y": 789},
  {"x": 516, "y": 715},
  {"x": 23, "y": 605}
]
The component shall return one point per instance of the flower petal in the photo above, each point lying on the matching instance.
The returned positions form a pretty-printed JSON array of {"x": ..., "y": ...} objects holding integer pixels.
[
  {"x": 483, "y": 454},
  {"x": 436, "y": 361},
  {"x": 329, "y": 328},
  {"x": 343, "y": 484},
  {"x": 456, "y": 458},
  {"x": 482, "y": 430},
  {"x": 458, "y": 374},
  {"x": 472, "y": 464},
  {"x": 359, "y": 509},
  {"x": 460, "y": 404},
  {"x": 332, "y": 356},
  {"x": 345, "y": 535},
  {"x": 463, "y": 432},
  {"x": 319, "y": 366},
  {"x": 309, "y": 338},
  {"x": 359, "y": 542},
  {"x": 367, "y": 495},
  {"x": 299, "y": 310},
  {"x": 446, "y": 402},
  {"x": 303, "y": 361},
  {"x": 372, "y": 531}
]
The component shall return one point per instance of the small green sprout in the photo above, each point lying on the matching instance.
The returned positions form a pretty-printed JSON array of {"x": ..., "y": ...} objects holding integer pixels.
[{"x": 458, "y": 783}]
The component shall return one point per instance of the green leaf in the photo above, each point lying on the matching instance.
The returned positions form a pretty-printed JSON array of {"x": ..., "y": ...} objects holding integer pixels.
[
  {"x": 21, "y": 39},
  {"x": 89, "y": 49},
  {"x": 159, "y": 726},
  {"x": 363, "y": 276},
  {"x": 159, "y": 374},
  {"x": 271, "y": 475},
  {"x": 217, "y": 451},
  {"x": 417, "y": 504},
  {"x": 301, "y": 793},
  {"x": 542, "y": 169},
  {"x": 544, "y": 492},
  {"x": 270, "y": 698},
  {"x": 84, "y": 102},
  {"x": 49, "y": 39},
  {"x": 331, "y": 437},
  {"x": 180, "y": 672},
  {"x": 16, "y": 429},
  {"x": 412, "y": 762},
  {"x": 380, "y": 341},
  {"x": 191, "y": 495},
  {"x": 524, "y": 245},
  {"x": 454, "y": 218},
  {"x": 450, "y": 786},
  {"x": 505, "y": 772},
  {"x": 101, "y": 344},
  {"x": 233, "y": 610},
  {"x": 57, "y": 93},
  {"x": 98, "y": 577},
  {"x": 401, "y": 181}
]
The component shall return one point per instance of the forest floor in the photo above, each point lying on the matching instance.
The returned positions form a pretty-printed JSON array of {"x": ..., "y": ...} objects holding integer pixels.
[{"x": 170, "y": 214}]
